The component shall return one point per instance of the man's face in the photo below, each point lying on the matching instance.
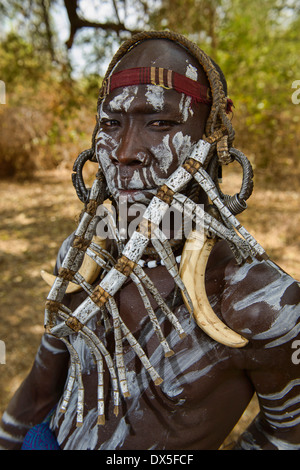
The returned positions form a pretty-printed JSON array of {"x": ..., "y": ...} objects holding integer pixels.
[{"x": 145, "y": 133}]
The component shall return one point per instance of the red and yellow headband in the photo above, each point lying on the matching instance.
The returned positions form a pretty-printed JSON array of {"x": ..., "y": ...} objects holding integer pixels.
[{"x": 162, "y": 77}]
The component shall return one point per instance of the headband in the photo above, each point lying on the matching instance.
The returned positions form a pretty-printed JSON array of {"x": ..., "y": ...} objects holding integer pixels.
[{"x": 162, "y": 77}]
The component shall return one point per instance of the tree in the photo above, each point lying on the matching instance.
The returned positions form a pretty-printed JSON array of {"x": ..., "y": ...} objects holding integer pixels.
[
  {"x": 32, "y": 20},
  {"x": 77, "y": 22},
  {"x": 199, "y": 19},
  {"x": 111, "y": 21}
]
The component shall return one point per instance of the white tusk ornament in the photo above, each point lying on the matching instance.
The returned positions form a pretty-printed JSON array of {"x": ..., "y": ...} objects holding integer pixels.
[
  {"x": 192, "y": 272},
  {"x": 89, "y": 270}
]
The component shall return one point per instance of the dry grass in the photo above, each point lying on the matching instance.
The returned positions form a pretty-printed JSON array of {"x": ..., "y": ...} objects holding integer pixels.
[{"x": 36, "y": 216}]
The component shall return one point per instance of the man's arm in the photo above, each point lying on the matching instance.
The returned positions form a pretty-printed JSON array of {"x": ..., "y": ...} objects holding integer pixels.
[
  {"x": 260, "y": 436},
  {"x": 262, "y": 303},
  {"x": 37, "y": 395},
  {"x": 275, "y": 373},
  {"x": 277, "y": 426}
]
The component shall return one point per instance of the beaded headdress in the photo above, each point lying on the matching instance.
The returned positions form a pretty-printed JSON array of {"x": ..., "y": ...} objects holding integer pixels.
[{"x": 212, "y": 151}]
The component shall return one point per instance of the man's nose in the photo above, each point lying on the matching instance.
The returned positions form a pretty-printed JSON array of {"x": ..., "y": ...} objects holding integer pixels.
[{"x": 130, "y": 151}]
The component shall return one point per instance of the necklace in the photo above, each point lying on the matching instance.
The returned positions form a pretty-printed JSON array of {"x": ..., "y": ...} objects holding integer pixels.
[{"x": 156, "y": 262}]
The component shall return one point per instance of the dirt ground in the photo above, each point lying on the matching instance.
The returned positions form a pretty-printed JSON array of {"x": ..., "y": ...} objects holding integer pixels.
[{"x": 36, "y": 217}]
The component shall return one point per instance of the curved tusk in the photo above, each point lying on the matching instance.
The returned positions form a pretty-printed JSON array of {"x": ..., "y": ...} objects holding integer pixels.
[
  {"x": 192, "y": 271},
  {"x": 89, "y": 269}
]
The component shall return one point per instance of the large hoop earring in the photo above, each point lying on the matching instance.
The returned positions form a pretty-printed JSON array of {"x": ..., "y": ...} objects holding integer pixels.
[
  {"x": 82, "y": 191},
  {"x": 237, "y": 203}
]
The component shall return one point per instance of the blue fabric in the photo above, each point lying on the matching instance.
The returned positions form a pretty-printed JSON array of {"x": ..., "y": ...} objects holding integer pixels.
[{"x": 40, "y": 437}]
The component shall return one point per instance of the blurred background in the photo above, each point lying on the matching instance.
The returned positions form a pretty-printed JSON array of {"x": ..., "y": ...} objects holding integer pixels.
[{"x": 52, "y": 57}]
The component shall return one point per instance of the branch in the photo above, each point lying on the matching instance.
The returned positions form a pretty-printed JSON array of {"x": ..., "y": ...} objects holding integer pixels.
[
  {"x": 77, "y": 23},
  {"x": 45, "y": 12},
  {"x": 116, "y": 11}
]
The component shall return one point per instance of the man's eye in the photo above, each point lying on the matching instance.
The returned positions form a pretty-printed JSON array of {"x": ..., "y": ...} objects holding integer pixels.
[
  {"x": 163, "y": 124},
  {"x": 109, "y": 123}
]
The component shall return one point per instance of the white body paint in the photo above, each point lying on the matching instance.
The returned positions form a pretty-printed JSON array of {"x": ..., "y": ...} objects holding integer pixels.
[
  {"x": 176, "y": 378},
  {"x": 148, "y": 177}
]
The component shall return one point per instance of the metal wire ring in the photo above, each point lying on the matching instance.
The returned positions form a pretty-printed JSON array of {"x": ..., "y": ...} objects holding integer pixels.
[
  {"x": 237, "y": 203},
  {"x": 77, "y": 178}
]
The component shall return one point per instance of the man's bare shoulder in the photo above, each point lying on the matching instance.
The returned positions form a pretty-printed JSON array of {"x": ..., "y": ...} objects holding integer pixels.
[{"x": 261, "y": 301}]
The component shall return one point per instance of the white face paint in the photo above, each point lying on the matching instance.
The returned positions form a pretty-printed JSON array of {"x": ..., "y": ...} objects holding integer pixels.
[
  {"x": 155, "y": 96},
  {"x": 106, "y": 149},
  {"x": 186, "y": 101},
  {"x": 123, "y": 101},
  {"x": 185, "y": 107},
  {"x": 183, "y": 146},
  {"x": 164, "y": 154},
  {"x": 191, "y": 72},
  {"x": 137, "y": 149}
]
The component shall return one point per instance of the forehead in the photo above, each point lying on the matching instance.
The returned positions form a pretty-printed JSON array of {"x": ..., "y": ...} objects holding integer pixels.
[
  {"x": 153, "y": 53},
  {"x": 142, "y": 99},
  {"x": 161, "y": 53}
]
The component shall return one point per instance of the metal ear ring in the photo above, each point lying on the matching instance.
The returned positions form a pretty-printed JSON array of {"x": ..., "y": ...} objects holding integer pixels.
[
  {"x": 237, "y": 203},
  {"x": 82, "y": 191}
]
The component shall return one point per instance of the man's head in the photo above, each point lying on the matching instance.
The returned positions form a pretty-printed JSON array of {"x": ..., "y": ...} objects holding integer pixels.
[{"x": 145, "y": 130}]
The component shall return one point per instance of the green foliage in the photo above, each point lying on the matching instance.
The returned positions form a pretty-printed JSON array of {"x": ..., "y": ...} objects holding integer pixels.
[
  {"x": 45, "y": 115},
  {"x": 19, "y": 61},
  {"x": 20, "y": 119},
  {"x": 258, "y": 52},
  {"x": 187, "y": 16}
]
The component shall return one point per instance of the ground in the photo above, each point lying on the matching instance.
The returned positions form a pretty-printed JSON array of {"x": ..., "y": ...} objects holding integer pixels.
[{"x": 37, "y": 215}]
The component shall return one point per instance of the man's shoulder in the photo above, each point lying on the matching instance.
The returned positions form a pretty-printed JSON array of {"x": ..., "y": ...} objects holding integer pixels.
[{"x": 260, "y": 301}]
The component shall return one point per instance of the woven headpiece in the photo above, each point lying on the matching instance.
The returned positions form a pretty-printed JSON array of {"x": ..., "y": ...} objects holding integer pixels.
[{"x": 162, "y": 77}]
